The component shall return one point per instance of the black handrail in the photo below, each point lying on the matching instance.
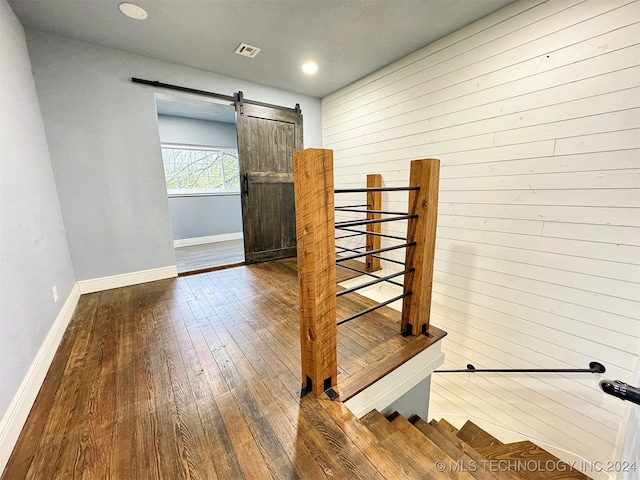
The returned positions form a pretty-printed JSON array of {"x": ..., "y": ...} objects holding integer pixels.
[
  {"x": 349, "y": 236},
  {"x": 594, "y": 367},
  {"x": 375, "y": 189},
  {"x": 359, "y": 210},
  {"x": 376, "y": 234},
  {"x": 622, "y": 390},
  {"x": 355, "y": 223},
  {"x": 351, "y": 206},
  {"x": 373, "y": 282},
  {"x": 372, "y": 252},
  {"x": 354, "y": 250},
  {"x": 375, "y": 307},
  {"x": 367, "y": 273}
]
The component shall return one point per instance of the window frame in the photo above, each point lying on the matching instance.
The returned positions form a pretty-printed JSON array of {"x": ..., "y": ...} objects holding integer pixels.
[{"x": 200, "y": 192}]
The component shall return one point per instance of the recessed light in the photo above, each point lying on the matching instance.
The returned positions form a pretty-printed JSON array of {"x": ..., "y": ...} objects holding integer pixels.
[
  {"x": 310, "y": 68},
  {"x": 133, "y": 11}
]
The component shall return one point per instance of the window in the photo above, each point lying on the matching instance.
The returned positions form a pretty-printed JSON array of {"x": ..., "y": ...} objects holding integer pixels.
[{"x": 200, "y": 170}]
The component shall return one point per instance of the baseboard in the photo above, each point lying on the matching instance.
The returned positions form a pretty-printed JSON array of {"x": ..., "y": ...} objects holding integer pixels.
[
  {"x": 20, "y": 406},
  {"x": 126, "y": 279},
  {"x": 188, "y": 242}
]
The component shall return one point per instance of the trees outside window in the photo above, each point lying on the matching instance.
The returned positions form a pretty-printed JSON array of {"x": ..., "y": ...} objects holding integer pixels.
[{"x": 200, "y": 170}]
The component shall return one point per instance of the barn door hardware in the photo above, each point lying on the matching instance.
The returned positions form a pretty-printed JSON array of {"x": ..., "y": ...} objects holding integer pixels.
[
  {"x": 240, "y": 103},
  {"x": 245, "y": 184},
  {"x": 237, "y": 99}
]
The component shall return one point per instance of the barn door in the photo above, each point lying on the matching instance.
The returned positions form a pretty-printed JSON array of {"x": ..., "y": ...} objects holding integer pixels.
[{"x": 267, "y": 138}]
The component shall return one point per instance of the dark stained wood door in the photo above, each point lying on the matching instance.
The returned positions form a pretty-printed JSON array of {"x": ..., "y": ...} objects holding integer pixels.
[{"x": 267, "y": 138}]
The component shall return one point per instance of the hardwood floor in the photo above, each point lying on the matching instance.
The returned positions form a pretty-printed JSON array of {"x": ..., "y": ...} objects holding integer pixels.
[
  {"x": 198, "y": 377},
  {"x": 209, "y": 255}
]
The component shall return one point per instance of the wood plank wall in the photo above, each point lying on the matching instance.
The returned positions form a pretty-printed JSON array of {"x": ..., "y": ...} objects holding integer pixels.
[{"x": 534, "y": 113}]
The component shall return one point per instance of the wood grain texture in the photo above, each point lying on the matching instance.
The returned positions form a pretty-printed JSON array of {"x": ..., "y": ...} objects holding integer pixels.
[
  {"x": 537, "y": 201},
  {"x": 267, "y": 138},
  {"x": 416, "y": 308},
  {"x": 198, "y": 377},
  {"x": 451, "y": 450},
  {"x": 313, "y": 172},
  {"x": 446, "y": 432},
  {"x": 412, "y": 346},
  {"x": 198, "y": 258},
  {"x": 530, "y": 454},
  {"x": 374, "y": 202},
  {"x": 365, "y": 439},
  {"x": 476, "y": 436},
  {"x": 344, "y": 274},
  {"x": 418, "y": 461}
]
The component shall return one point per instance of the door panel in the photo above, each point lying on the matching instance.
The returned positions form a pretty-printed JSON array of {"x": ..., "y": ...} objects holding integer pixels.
[{"x": 267, "y": 138}]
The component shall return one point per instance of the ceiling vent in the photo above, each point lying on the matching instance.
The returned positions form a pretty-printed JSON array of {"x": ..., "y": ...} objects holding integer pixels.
[{"x": 247, "y": 50}]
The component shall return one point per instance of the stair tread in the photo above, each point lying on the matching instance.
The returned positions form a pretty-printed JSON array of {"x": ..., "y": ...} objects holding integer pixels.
[
  {"x": 535, "y": 462},
  {"x": 416, "y": 463},
  {"x": 435, "y": 452},
  {"x": 476, "y": 436},
  {"x": 388, "y": 465},
  {"x": 452, "y": 450},
  {"x": 471, "y": 452},
  {"x": 445, "y": 424}
]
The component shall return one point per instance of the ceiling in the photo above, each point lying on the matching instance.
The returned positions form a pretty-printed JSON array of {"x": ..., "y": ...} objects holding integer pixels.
[
  {"x": 184, "y": 106},
  {"x": 347, "y": 38}
]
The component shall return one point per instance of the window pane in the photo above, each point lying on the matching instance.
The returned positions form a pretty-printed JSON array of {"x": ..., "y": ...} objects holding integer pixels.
[
  {"x": 231, "y": 170},
  {"x": 200, "y": 169}
]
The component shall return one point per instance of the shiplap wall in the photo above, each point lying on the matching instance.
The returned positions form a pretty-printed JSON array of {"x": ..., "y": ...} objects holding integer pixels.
[{"x": 534, "y": 113}]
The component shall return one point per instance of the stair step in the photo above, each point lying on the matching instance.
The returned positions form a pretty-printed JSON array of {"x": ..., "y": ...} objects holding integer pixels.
[
  {"x": 476, "y": 437},
  {"x": 429, "y": 448},
  {"x": 388, "y": 465},
  {"x": 458, "y": 456},
  {"x": 443, "y": 423},
  {"x": 415, "y": 462},
  {"x": 531, "y": 462},
  {"x": 471, "y": 452},
  {"x": 392, "y": 416}
]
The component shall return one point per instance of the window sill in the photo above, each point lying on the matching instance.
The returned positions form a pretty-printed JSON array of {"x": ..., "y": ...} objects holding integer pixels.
[{"x": 205, "y": 194}]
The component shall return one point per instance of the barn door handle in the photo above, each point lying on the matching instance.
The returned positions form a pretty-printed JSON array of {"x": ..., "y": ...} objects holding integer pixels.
[{"x": 245, "y": 184}]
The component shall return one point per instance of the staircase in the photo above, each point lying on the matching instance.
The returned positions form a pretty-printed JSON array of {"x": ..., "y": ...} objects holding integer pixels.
[{"x": 438, "y": 450}]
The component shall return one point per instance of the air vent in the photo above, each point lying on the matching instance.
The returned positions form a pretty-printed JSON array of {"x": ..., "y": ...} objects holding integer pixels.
[{"x": 247, "y": 50}]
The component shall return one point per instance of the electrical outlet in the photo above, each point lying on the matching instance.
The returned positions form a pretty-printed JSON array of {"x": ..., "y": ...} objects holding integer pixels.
[{"x": 54, "y": 289}]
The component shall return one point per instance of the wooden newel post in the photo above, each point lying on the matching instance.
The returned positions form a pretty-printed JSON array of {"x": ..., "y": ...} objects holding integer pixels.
[
  {"x": 374, "y": 202},
  {"x": 416, "y": 307},
  {"x": 315, "y": 227}
]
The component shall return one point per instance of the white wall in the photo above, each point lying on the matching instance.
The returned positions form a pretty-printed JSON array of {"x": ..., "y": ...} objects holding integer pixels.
[
  {"x": 534, "y": 114},
  {"x": 34, "y": 254},
  {"x": 631, "y": 444},
  {"x": 193, "y": 131},
  {"x": 105, "y": 148},
  {"x": 202, "y": 215}
]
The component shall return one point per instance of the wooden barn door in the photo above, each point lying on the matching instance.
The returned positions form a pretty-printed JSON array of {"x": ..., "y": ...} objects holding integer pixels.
[{"x": 267, "y": 138}]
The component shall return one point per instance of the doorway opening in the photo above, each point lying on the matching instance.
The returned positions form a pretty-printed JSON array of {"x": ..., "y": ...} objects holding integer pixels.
[{"x": 200, "y": 156}]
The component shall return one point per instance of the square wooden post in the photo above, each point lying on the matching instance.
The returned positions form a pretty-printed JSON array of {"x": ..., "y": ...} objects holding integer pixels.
[
  {"x": 315, "y": 227},
  {"x": 374, "y": 202},
  {"x": 416, "y": 307}
]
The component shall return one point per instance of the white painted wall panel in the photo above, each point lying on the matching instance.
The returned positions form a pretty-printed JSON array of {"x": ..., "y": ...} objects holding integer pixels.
[
  {"x": 534, "y": 112},
  {"x": 588, "y": 266},
  {"x": 504, "y": 52},
  {"x": 462, "y": 165}
]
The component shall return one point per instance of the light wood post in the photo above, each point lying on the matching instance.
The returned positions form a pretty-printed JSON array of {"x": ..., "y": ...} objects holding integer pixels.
[
  {"x": 315, "y": 227},
  {"x": 416, "y": 307},
  {"x": 374, "y": 202}
]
